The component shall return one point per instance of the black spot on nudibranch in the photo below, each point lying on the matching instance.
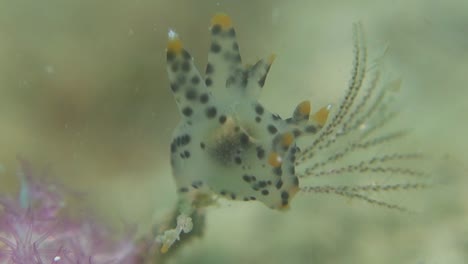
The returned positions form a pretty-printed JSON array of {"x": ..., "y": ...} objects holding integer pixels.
[
  {"x": 278, "y": 171},
  {"x": 202, "y": 145},
  {"x": 265, "y": 192},
  {"x": 209, "y": 69},
  {"x": 185, "y": 66},
  {"x": 260, "y": 153},
  {"x": 296, "y": 133},
  {"x": 174, "y": 87},
  {"x": 222, "y": 119},
  {"x": 272, "y": 129},
  {"x": 191, "y": 94},
  {"x": 208, "y": 82},
  {"x": 187, "y": 111},
  {"x": 238, "y": 160},
  {"x": 247, "y": 178},
  {"x": 195, "y": 80},
  {"x": 262, "y": 184},
  {"x": 279, "y": 184},
  {"x": 259, "y": 109},
  {"x": 244, "y": 139},
  {"x": 311, "y": 129},
  {"x": 170, "y": 56},
  {"x": 215, "y": 48},
  {"x": 204, "y": 98},
  {"x": 175, "y": 67},
  {"x": 258, "y": 119},
  {"x": 185, "y": 139},
  {"x": 216, "y": 29},
  {"x": 211, "y": 112}
]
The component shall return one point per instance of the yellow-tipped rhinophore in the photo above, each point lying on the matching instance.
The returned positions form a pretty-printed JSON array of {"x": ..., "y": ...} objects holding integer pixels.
[
  {"x": 223, "y": 20},
  {"x": 321, "y": 115},
  {"x": 274, "y": 159},
  {"x": 304, "y": 108},
  {"x": 287, "y": 139},
  {"x": 174, "y": 44},
  {"x": 271, "y": 58},
  {"x": 164, "y": 248}
]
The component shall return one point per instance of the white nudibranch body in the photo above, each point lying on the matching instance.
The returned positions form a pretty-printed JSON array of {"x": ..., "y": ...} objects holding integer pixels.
[{"x": 227, "y": 143}]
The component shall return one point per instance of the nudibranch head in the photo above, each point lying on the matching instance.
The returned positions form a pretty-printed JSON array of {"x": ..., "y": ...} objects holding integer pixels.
[{"x": 227, "y": 143}]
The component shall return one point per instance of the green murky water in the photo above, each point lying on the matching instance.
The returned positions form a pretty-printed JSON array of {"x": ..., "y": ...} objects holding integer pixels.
[{"x": 83, "y": 87}]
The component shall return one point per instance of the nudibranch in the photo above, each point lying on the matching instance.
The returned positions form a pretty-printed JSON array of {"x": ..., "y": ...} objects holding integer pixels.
[{"x": 229, "y": 145}]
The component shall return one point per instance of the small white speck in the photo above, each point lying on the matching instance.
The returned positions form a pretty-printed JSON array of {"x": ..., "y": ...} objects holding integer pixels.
[
  {"x": 57, "y": 258},
  {"x": 49, "y": 69},
  {"x": 275, "y": 16},
  {"x": 172, "y": 34},
  {"x": 24, "y": 83}
]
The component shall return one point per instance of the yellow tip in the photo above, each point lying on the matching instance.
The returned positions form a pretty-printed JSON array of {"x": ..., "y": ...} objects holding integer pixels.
[
  {"x": 304, "y": 108},
  {"x": 164, "y": 248},
  {"x": 223, "y": 20},
  {"x": 321, "y": 116},
  {"x": 287, "y": 139},
  {"x": 274, "y": 159},
  {"x": 174, "y": 45},
  {"x": 271, "y": 59}
]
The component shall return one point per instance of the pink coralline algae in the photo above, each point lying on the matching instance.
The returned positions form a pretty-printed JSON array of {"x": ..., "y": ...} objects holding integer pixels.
[{"x": 36, "y": 228}]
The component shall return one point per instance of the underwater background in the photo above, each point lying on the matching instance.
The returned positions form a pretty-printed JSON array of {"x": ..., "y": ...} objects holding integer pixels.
[{"x": 83, "y": 89}]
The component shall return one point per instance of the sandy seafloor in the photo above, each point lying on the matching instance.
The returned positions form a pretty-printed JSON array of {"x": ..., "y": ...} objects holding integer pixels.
[{"x": 83, "y": 88}]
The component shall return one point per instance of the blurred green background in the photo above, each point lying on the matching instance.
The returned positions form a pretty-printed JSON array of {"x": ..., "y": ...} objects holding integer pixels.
[{"x": 83, "y": 88}]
